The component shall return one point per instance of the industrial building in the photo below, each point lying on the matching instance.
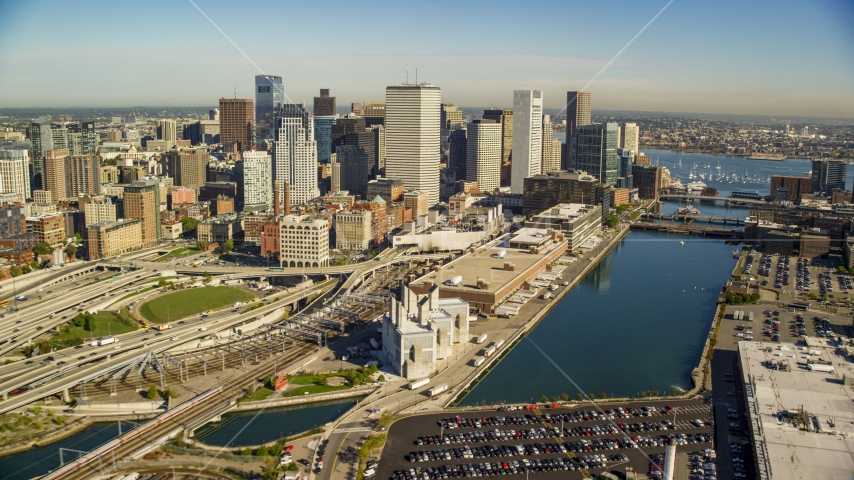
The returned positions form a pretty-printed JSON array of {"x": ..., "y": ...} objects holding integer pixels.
[
  {"x": 798, "y": 399},
  {"x": 490, "y": 275},
  {"x": 422, "y": 329}
]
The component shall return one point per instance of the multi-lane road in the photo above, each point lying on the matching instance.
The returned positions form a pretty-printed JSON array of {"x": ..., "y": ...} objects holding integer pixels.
[{"x": 85, "y": 363}]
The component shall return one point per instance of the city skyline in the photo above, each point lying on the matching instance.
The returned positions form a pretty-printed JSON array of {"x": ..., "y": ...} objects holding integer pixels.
[{"x": 693, "y": 58}]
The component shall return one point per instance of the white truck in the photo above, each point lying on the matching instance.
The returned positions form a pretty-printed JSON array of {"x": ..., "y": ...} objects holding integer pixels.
[
  {"x": 437, "y": 389},
  {"x": 419, "y": 383},
  {"x": 481, "y": 338},
  {"x": 104, "y": 341},
  {"x": 375, "y": 344},
  {"x": 814, "y": 367}
]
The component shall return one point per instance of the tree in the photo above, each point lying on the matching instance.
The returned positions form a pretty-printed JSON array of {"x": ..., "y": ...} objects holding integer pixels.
[
  {"x": 71, "y": 250},
  {"x": 579, "y": 396},
  {"x": 152, "y": 392},
  {"x": 612, "y": 221},
  {"x": 603, "y": 395},
  {"x": 206, "y": 278},
  {"x": 161, "y": 283},
  {"x": 78, "y": 239},
  {"x": 27, "y": 269},
  {"x": 385, "y": 419},
  {"x": 228, "y": 246},
  {"x": 202, "y": 245},
  {"x": 564, "y": 397},
  {"x": 43, "y": 248},
  {"x": 544, "y": 399},
  {"x": 15, "y": 271},
  {"x": 188, "y": 224},
  {"x": 553, "y": 399},
  {"x": 842, "y": 270}
]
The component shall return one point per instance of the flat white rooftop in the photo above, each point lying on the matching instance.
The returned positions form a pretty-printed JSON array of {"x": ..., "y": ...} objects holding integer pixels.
[{"x": 785, "y": 449}]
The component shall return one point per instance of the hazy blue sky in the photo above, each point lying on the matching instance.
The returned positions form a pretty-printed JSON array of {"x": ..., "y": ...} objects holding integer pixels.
[{"x": 754, "y": 57}]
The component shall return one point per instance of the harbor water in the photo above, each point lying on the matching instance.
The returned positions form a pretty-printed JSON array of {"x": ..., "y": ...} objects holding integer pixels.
[
  {"x": 255, "y": 427},
  {"x": 38, "y": 461},
  {"x": 241, "y": 429},
  {"x": 637, "y": 322}
]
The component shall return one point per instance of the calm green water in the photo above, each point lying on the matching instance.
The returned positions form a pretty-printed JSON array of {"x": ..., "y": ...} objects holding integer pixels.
[
  {"x": 245, "y": 428},
  {"x": 38, "y": 461},
  {"x": 637, "y": 322},
  {"x": 253, "y": 428}
]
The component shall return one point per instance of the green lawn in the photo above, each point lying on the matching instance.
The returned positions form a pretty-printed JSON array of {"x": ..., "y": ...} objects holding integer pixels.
[
  {"x": 105, "y": 323},
  {"x": 178, "y": 252},
  {"x": 184, "y": 303},
  {"x": 260, "y": 394},
  {"x": 305, "y": 380},
  {"x": 310, "y": 389}
]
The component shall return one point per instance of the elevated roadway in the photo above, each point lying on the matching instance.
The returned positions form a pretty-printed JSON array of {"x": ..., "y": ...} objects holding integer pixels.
[{"x": 87, "y": 363}]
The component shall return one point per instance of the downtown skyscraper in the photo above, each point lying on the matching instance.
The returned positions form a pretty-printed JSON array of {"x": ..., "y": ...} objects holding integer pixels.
[
  {"x": 483, "y": 154},
  {"x": 594, "y": 150},
  {"x": 269, "y": 96},
  {"x": 295, "y": 153},
  {"x": 577, "y": 115},
  {"x": 527, "y": 137},
  {"x": 412, "y": 137}
]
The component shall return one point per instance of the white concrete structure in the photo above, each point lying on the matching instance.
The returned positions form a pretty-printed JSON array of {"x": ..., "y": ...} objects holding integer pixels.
[
  {"x": 257, "y": 180},
  {"x": 422, "y": 329},
  {"x": 629, "y": 137},
  {"x": 412, "y": 137},
  {"x": 295, "y": 154},
  {"x": 304, "y": 242},
  {"x": 483, "y": 154},
  {"x": 800, "y": 409},
  {"x": 527, "y": 137},
  {"x": 577, "y": 221},
  {"x": 14, "y": 173}
]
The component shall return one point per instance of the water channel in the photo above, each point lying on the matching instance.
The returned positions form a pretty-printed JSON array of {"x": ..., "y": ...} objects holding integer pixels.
[
  {"x": 637, "y": 322},
  {"x": 240, "y": 429}
]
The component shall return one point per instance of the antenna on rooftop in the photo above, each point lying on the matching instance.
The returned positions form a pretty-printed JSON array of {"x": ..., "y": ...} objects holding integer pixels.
[
  {"x": 407, "y": 77},
  {"x": 235, "y": 89}
]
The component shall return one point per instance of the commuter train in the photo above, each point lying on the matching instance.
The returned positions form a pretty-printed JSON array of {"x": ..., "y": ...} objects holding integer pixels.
[{"x": 106, "y": 448}]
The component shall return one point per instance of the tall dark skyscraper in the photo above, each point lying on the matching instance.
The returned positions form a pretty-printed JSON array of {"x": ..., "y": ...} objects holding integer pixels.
[
  {"x": 269, "y": 96},
  {"x": 828, "y": 175},
  {"x": 235, "y": 122},
  {"x": 324, "y": 105},
  {"x": 577, "y": 115},
  {"x": 594, "y": 150}
]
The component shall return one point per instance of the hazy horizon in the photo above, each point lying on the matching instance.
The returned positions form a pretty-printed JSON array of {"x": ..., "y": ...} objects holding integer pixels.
[{"x": 712, "y": 59}]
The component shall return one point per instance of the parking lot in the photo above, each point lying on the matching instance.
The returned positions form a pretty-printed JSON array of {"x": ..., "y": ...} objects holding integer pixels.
[{"x": 546, "y": 442}]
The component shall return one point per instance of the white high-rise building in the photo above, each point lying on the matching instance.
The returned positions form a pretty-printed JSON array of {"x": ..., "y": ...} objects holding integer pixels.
[
  {"x": 527, "y": 137},
  {"x": 14, "y": 173},
  {"x": 257, "y": 180},
  {"x": 629, "y": 137},
  {"x": 483, "y": 154},
  {"x": 295, "y": 154},
  {"x": 412, "y": 136}
]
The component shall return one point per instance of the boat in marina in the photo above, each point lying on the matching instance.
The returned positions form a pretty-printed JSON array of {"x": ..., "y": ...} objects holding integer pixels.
[{"x": 696, "y": 188}]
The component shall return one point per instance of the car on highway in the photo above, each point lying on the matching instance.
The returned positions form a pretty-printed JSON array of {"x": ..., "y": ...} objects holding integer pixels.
[
  {"x": 173, "y": 338},
  {"x": 68, "y": 410}
]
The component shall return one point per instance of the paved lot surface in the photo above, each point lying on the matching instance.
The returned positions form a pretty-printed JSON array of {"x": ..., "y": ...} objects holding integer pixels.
[{"x": 404, "y": 434}]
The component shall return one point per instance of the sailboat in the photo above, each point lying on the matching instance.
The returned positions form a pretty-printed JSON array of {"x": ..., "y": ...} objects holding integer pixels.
[
  {"x": 719, "y": 165},
  {"x": 680, "y": 163}
]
